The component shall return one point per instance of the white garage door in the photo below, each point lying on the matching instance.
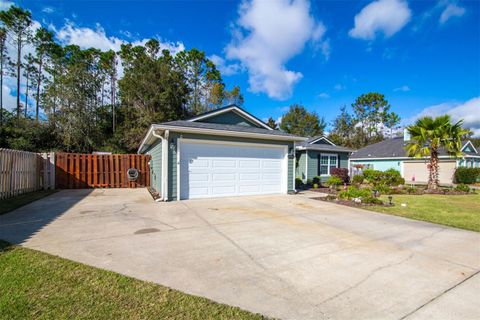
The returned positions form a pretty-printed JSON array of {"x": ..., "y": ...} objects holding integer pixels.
[{"x": 220, "y": 170}]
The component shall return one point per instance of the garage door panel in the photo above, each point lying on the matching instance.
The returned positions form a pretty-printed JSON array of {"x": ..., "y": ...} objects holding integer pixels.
[
  {"x": 223, "y": 176},
  {"x": 249, "y": 176},
  {"x": 212, "y": 170},
  {"x": 250, "y": 189},
  {"x": 202, "y": 177},
  {"x": 249, "y": 164},
  {"x": 224, "y": 163},
  {"x": 223, "y": 190}
]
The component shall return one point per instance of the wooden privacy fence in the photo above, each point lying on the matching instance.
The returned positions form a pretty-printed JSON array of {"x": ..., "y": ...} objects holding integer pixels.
[
  {"x": 76, "y": 170},
  {"x": 22, "y": 172}
]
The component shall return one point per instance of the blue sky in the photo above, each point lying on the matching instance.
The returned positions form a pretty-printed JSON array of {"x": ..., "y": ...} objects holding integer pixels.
[{"x": 423, "y": 55}]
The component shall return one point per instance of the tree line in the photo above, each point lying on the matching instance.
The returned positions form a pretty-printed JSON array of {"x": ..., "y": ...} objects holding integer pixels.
[
  {"x": 82, "y": 100},
  {"x": 370, "y": 121}
]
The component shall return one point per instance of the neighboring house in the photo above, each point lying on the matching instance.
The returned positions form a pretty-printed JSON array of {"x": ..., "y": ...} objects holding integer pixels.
[
  {"x": 225, "y": 152},
  {"x": 317, "y": 156},
  {"x": 391, "y": 153}
]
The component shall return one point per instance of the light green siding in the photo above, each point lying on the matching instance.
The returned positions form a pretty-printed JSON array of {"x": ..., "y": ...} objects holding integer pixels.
[
  {"x": 230, "y": 117},
  {"x": 382, "y": 165},
  {"x": 155, "y": 151},
  {"x": 172, "y": 156},
  {"x": 313, "y": 158}
]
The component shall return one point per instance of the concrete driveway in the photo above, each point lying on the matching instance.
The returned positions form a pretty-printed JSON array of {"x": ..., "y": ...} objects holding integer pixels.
[{"x": 283, "y": 256}]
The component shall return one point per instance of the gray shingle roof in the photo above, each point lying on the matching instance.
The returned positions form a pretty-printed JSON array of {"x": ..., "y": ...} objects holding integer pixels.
[
  {"x": 226, "y": 127},
  {"x": 321, "y": 147},
  {"x": 389, "y": 148}
]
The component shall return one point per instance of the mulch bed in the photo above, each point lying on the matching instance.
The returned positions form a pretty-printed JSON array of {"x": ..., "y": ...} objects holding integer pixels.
[{"x": 350, "y": 203}]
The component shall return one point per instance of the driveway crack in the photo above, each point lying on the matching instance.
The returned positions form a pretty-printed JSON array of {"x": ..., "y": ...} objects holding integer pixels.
[
  {"x": 439, "y": 295},
  {"x": 371, "y": 274}
]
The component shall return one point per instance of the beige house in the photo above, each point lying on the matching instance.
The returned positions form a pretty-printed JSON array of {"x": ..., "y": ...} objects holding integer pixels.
[{"x": 390, "y": 153}]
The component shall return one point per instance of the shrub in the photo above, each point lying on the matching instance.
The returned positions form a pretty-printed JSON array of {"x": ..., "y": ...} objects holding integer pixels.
[
  {"x": 411, "y": 190},
  {"x": 371, "y": 175},
  {"x": 391, "y": 177},
  {"x": 372, "y": 200},
  {"x": 309, "y": 182},
  {"x": 334, "y": 181},
  {"x": 358, "y": 179},
  {"x": 316, "y": 180},
  {"x": 466, "y": 175},
  {"x": 463, "y": 188},
  {"x": 354, "y": 192},
  {"x": 342, "y": 173},
  {"x": 298, "y": 183},
  {"x": 315, "y": 186},
  {"x": 382, "y": 188}
]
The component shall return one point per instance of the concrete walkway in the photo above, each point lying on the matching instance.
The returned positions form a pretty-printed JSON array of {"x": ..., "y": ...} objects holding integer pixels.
[{"x": 289, "y": 257}]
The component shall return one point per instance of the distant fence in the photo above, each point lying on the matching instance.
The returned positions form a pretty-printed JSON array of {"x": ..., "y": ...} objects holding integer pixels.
[
  {"x": 78, "y": 170},
  {"x": 22, "y": 172}
]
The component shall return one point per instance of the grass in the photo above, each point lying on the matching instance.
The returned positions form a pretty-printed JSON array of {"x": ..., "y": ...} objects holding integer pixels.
[
  {"x": 459, "y": 211},
  {"x": 36, "y": 285},
  {"x": 7, "y": 205}
]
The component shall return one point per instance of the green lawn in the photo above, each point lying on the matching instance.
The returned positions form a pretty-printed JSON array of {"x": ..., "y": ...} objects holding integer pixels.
[
  {"x": 460, "y": 211},
  {"x": 7, "y": 205},
  {"x": 37, "y": 285}
]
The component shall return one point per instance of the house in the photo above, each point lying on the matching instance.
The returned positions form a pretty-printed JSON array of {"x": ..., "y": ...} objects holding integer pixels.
[
  {"x": 390, "y": 153},
  {"x": 224, "y": 152},
  {"x": 317, "y": 156}
]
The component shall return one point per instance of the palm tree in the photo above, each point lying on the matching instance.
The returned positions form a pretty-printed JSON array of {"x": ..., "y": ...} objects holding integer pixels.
[{"x": 428, "y": 135}]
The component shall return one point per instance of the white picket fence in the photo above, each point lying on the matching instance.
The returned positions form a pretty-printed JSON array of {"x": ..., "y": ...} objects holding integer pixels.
[{"x": 22, "y": 172}]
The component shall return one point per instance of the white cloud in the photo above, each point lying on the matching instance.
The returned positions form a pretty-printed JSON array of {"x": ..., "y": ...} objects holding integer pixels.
[
  {"x": 4, "y": 5},
  {"x": 266, "y": 36},
  {"x": 48, "y": 10},
  {"x": 450, "y": 11},
  {"x": 469, "y": 111},
  {"x": 324, "y": 95},
  {"x": 86, "y": 38},
  {"x": 225, "y": 69},
  {"x": 403, "y": 88},
  {"x": 339, "y": 87},
  {"x": 381, "y": 16}
]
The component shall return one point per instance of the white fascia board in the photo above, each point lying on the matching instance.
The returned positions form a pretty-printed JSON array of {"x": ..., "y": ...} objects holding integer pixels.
[
  {"x": 469, "y": 143},
  {"x": 322, "y": 138},
  {"x": 232, "y": 108},
  {"x": 228, "y": 133},
  {"x": 147, "y": 136}
]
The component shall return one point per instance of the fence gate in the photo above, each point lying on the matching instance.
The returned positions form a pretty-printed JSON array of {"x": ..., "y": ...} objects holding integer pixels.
[{"x": 77, "y": 170}]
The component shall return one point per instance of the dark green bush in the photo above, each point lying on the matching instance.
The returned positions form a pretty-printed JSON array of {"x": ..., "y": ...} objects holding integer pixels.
[
  {"x": 467, "y": 175},
  {"x": 372, "y": 200},
  {"x": 298, "y": 183},
  {"x": 358, "y": 179},
  {"x": 316, "y": 180}
]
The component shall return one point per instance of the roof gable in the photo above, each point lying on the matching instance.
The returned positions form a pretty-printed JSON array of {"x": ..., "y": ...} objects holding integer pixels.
[
  {"x": 230, "y": 115},
  {"x": 321, "y": 140},
  {"x": 469, "y": 147}
]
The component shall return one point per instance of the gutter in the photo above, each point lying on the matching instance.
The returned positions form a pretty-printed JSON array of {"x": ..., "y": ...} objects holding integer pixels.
[
  {"x": 164, "y": 140},
  {"x": 229, "y": 133}
]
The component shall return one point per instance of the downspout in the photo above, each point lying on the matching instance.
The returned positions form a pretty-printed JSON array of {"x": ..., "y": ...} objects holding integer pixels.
[{"x": 164, "y": 140}]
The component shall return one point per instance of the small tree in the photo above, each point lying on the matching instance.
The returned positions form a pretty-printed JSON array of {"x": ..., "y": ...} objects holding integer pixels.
[
  {"x": 428, "y": 135},
  {"x": 300, "y": 122}
]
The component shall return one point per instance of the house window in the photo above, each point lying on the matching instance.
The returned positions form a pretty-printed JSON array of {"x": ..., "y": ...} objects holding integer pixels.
[{"x": 327, "y": 163}]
